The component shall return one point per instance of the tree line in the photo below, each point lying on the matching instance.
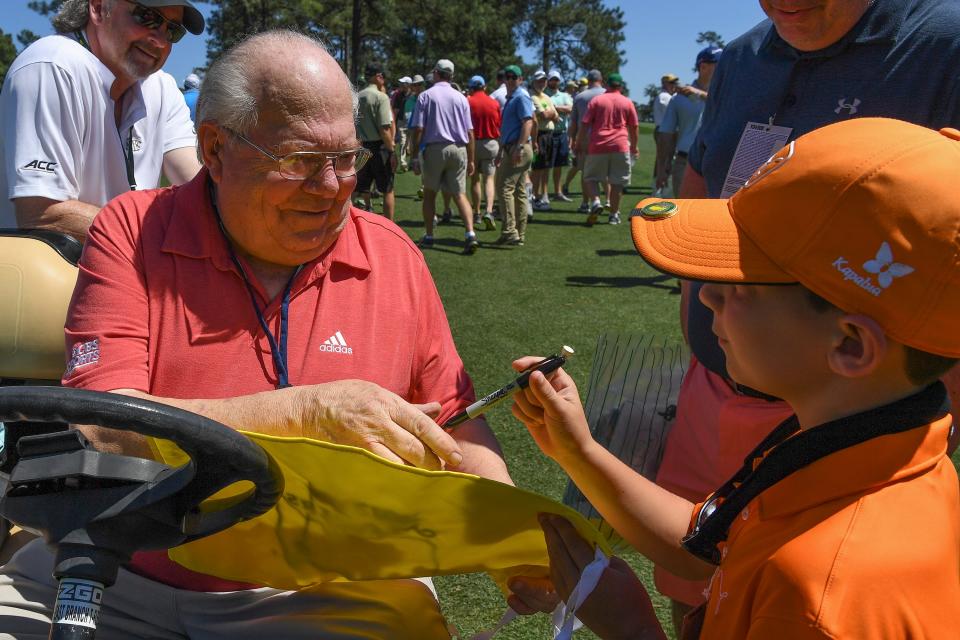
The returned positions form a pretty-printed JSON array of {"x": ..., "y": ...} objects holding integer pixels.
[{"x": 407, "y": 37}]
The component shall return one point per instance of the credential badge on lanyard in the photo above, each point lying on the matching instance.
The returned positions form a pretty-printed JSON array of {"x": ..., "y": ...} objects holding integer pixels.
[{"x": 758, "y": 142}]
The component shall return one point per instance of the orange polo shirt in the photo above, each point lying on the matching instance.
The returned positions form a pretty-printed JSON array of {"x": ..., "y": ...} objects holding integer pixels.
[
  {"x": 160, "y": 307},
  {"x": 863, "y": 543}
]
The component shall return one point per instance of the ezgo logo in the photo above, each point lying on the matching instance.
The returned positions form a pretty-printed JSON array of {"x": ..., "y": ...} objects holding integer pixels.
[{"x": 46, "y": 166}]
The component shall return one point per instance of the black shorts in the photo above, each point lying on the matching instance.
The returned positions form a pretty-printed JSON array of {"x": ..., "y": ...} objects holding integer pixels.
[
  {"x": 559, "y": 150},
  {"x": 541, "y": 160},
  {"x": 377, "y": 170}
]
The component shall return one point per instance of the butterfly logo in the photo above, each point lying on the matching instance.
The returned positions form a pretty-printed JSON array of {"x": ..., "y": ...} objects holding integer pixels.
[{"x": 885, "y": 268}]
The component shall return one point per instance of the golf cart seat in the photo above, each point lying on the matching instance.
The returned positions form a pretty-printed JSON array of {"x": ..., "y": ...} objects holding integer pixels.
[{"x": 38, "y": 270}]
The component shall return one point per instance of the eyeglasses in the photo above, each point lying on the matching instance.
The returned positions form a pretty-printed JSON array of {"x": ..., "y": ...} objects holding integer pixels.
[
  {"x": 300, "y": 165},
  {"x": 153, "y": 19}
]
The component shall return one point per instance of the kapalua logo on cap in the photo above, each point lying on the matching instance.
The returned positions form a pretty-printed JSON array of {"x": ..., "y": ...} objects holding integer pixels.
[
  {"x": 775, "y": 162},
  {"x": 882, "y": 266},
  {"x": 659, "y": 210}
]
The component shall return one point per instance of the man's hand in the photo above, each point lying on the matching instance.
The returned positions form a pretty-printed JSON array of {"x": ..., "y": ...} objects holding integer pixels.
[
  {"x": 471, "y": 167},
  {"x": 552, "y": 412},
  {"x": 516, "y": 156},
  {"x": 415, "y": 166},
  {"x": 693, "y": 92},
  {"x": 366, "y": 415},
  {"x": 619, "y": 606},
  {"x": 499, "y": 158}
]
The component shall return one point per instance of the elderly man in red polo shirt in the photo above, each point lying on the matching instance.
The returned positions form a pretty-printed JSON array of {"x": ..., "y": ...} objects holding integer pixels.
[{"x": 257, "y": 296}]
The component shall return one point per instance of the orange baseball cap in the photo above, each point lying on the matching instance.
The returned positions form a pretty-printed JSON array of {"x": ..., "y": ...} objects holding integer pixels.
[{"x": 864, "y": 213}]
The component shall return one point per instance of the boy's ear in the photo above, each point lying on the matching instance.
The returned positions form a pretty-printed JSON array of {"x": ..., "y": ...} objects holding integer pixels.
[{"x": 860, "y": 348}]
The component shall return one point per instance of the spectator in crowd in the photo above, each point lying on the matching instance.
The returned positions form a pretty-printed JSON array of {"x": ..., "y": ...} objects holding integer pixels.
[
  {"x": 397, "y": 100},
  {"x": 441, "y": 123},
  {"x": 375, "y": 129},
  {"x": 191, "y": 90},
  {"x": 571, "y": 89},
  {"x": 560, "y": 146},
  {"x": 668, "y": 87},
  {"x": 791, "y": 71},
  {"x": 203, "y": 272},
  {"x": 613, "y": 126},
  {"x": 514, "y": 158},
  {"x": 681, "y": 121},
  {"x": 590, "y": 89},
  {"x": 545, "y": 122},
  {"x": 843, "y": 522},
  {"x": 409, "y": 103},
  {"x": 87, "y": 114},
  {"x": 485, "y": 115},
  {"x": 500, "y": 93}
]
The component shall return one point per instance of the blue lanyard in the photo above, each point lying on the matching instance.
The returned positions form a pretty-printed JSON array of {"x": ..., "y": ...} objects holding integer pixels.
[{"x": 277, "y": 351}]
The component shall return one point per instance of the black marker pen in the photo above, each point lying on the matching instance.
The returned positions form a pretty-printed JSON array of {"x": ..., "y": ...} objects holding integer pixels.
[{"x": 480, "y": 407}]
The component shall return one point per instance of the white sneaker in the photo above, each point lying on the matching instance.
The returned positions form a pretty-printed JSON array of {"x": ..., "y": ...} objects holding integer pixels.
[
  {"x": 541, "y": 205},
  {"x": 614, "y": 218},
  {"x": 561, "y": 197}
]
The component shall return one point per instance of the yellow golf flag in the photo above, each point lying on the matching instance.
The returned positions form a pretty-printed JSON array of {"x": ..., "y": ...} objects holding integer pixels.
[{"x": 347, "y": 514}]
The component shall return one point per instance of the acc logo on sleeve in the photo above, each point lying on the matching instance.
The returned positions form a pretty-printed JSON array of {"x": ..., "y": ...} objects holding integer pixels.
[
  {"x": 82, "y": 355},
  {"x": 44, "y": 166}
]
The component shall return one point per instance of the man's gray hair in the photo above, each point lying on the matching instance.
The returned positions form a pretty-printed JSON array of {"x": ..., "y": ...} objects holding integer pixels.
[
  {"x": 74, "y": 14},
  {"x": 227, "y": 96}
]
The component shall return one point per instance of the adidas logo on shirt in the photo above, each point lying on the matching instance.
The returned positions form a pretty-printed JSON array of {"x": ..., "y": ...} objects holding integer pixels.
[{"x": 336, "y": 344}]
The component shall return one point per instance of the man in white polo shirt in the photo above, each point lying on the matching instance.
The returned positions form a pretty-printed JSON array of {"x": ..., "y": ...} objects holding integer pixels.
[{"x": 86, "y": 114}]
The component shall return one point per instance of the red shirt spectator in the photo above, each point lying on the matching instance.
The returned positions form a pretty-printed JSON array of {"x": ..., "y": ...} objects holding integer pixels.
[
  {"x": 608, "y": 116},
  {"x": 485, "y": 113}
]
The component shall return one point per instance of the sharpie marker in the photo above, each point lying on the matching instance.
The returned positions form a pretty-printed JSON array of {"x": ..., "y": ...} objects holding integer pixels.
[{"x": 548, "y": 365}]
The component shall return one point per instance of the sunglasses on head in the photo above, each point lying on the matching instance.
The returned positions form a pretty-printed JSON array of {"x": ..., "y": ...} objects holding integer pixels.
[{"x": 153, "y": 19}]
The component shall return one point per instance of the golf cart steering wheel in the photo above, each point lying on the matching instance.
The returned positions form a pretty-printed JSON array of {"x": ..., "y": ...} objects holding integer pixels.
[
  {"x": 99, "y": 508},
  {"x": 219, "y": 455}
]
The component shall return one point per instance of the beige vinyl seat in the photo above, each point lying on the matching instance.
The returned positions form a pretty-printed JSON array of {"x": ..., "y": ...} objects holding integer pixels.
[{"x": 37, "y": 274}]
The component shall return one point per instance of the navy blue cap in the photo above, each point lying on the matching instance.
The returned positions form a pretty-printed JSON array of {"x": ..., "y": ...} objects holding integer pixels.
[{"x": 709, "y": 54}]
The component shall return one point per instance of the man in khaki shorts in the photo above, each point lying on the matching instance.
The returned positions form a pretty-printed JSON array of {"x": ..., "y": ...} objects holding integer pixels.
[
  {"x": 441, "y": 125},
  {"x": 485, "y": 114},
  {"x": 612, "y": 121}
]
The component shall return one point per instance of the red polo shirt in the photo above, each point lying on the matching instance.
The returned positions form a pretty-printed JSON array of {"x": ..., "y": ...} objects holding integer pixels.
[
  {"x": 608, "y": 116},
  {"x": 159, "y": 307},
  {"x": 485, "y": 113}
]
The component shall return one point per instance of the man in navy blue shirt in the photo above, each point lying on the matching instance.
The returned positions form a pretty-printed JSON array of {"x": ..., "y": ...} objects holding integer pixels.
[{"x": 805, "y": 67}]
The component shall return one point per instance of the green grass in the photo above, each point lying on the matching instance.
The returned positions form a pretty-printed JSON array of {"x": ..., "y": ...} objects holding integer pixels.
[{"x": 566, "y": 286}]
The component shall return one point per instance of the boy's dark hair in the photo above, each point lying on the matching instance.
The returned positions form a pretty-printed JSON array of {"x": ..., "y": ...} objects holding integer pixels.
[{"x": 921, "y": 367}]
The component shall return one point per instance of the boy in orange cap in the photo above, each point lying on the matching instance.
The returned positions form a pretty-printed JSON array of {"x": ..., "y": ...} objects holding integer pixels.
[{"x": 845, "y": 521}]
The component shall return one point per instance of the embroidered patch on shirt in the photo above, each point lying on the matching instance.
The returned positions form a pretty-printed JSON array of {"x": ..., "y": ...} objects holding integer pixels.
[{"x": 82, "y": 355}]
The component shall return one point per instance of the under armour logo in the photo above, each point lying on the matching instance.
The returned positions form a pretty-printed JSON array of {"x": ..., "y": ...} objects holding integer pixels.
[
  {"x": 885, "y": 268},
  {"x": 851, "y": 107}
]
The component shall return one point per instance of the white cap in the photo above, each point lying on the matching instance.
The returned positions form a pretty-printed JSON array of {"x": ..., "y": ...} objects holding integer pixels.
[
  {"x": 405, "y": 80},
  {"x": 192, "y": 81}
]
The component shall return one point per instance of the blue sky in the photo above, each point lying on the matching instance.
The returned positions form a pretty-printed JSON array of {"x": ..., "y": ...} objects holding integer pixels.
[{"x": 660, "y": 35}]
